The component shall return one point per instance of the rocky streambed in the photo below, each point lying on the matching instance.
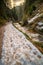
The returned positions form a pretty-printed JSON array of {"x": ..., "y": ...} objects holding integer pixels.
[{"x": 17, "y": 50}]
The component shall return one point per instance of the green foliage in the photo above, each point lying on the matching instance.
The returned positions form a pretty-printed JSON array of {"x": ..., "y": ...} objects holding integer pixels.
[
  {"x": 24, "y": 20},
  {"x": 40, "y": 44},
  {"x": 7, "y": 13},
  {"x": 31, "y": 9},
  {"x": 3, "y": 10},
  {"x": 30, "y": 6},
  {"x": 40, "y": 1}
]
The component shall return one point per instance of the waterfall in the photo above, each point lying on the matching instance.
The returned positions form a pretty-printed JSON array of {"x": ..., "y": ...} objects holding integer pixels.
[{"x": 20, "y": 11}]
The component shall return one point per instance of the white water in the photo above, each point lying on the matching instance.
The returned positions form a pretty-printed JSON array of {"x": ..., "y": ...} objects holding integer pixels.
[{"x": 17, "y": 50}]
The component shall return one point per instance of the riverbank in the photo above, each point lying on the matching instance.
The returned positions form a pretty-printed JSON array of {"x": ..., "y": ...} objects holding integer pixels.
[{"x": 1, "y": 39}]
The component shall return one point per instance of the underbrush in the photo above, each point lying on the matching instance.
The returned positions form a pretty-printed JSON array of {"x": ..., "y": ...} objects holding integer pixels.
[
  {"x": 39, "y": 45},
  {"x": 2, "y": 21}
]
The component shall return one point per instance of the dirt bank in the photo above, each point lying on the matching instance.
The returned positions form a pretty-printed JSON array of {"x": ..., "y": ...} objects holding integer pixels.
[{"x": 1, "y": 38}]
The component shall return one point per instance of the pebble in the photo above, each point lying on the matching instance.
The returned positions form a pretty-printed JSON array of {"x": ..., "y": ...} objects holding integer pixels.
[{"x": 17, "y": 47}]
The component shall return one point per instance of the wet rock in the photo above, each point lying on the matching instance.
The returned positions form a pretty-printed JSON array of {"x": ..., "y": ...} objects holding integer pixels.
[{"x": 39, "y": 56}]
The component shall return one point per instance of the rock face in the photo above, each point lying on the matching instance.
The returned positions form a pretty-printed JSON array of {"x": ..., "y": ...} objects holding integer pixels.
[{"x": 17, "y": 50}]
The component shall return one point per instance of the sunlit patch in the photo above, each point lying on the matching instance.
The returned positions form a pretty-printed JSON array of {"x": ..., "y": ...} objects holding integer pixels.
[
  {"x": 19, "y": 3},
  {"x": 11, "y": 3},
  {"x": 16, "y": 3}
]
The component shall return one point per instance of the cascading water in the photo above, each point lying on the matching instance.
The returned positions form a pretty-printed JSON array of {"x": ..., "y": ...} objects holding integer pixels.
[{"x": 20, "y": 11}]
